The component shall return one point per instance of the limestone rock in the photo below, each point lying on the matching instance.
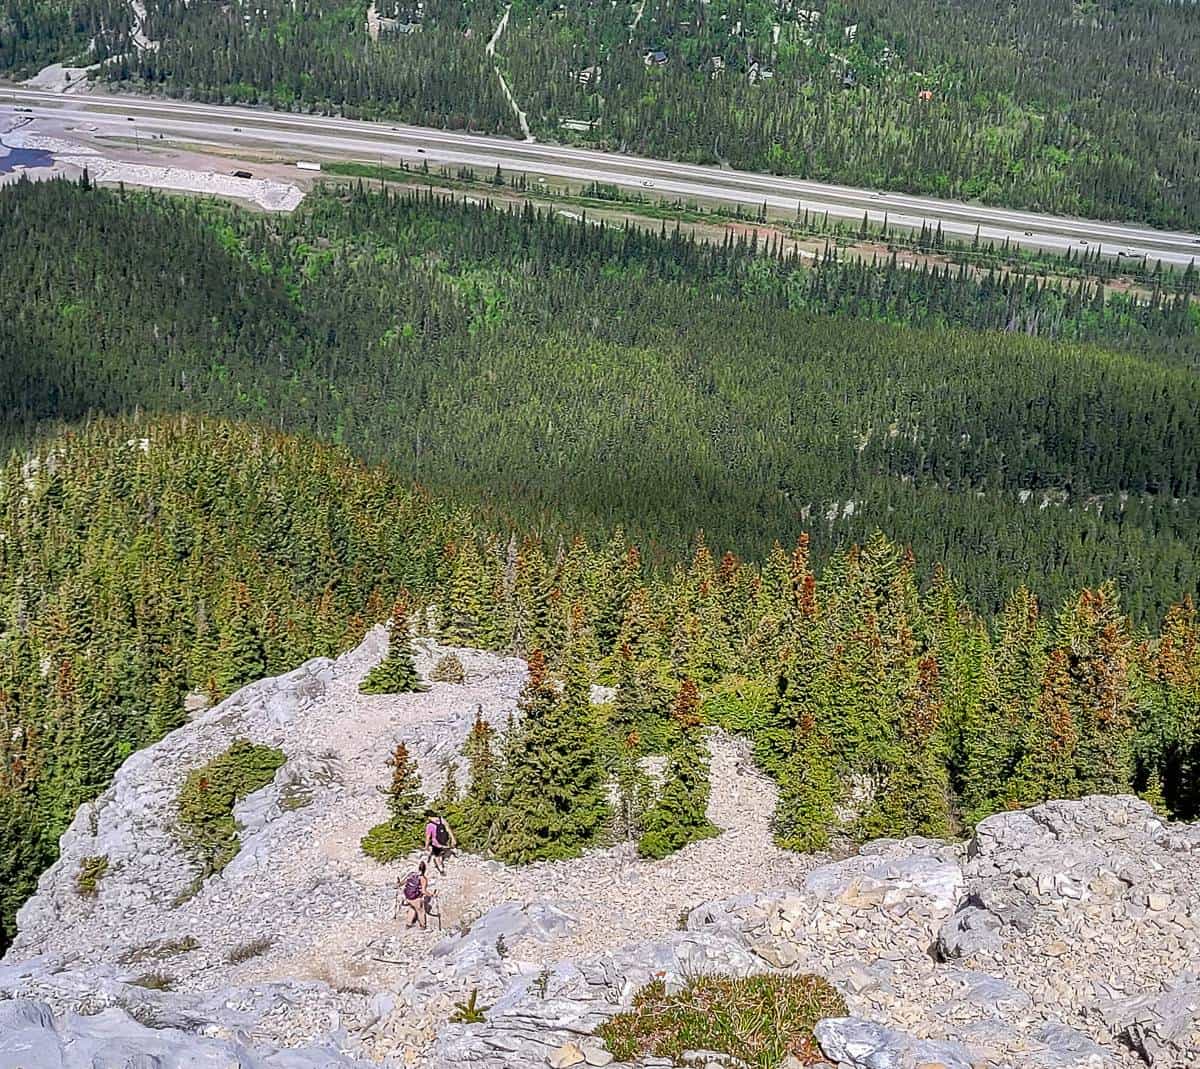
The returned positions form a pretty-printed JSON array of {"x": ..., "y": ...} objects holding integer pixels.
[
  {"x": 856, "y": 1042},
  {"x": 564, "y": 1057}
]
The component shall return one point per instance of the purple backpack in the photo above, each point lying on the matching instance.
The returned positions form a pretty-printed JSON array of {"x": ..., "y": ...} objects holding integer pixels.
[{"x": 412, "y": 886}]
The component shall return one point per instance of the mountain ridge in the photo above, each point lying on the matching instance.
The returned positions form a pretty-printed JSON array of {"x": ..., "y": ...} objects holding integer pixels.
[{"x": 1006, "y": 912}]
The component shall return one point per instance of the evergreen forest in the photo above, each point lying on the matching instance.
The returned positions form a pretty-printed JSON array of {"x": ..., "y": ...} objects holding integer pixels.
[
  {"x": 569, "y": 378},
  {"x": 1086, "y": 108},
  {"x": 238, "y": 441}
]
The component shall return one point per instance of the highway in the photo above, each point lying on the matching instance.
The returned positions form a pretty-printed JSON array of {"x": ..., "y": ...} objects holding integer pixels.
[{"x": 311, "y": 137}]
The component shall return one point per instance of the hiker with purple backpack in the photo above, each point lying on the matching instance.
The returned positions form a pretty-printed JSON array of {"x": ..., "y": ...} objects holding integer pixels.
[{"x": 414, "y": 889}]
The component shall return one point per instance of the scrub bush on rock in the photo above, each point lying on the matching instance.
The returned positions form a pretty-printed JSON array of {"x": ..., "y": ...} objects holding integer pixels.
[{"x": 209, "y": 793}]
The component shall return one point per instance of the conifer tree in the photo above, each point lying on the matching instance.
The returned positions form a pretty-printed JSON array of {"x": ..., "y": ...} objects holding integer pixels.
[
  {"x": 993, "y": 732},
  {"x": 1168, "y": 689},
  {"x": 915, "y": 799},
  {"x": 406, "y": 800},
  {"x": 401, "y": 832},
  {"x": 809, "y": 791},
  {"x": 396, "y": 673},
  {"x": 463, "y": 613},
  {"x": 552, "y": 792},
  {"x": 1047, "y": 765},
  {"x": 241, "y": 657},
  {"x": 448, "y": 799},
  {"x": 679, "y": 816},
  {"x": 474, "y": 813},
  {"x": 634, "y": 789}
]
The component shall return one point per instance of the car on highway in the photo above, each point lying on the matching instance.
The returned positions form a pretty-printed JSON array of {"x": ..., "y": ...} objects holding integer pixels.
[
  {"x": 1029, "y": 233},
  {"x": 647, "y": 183},
  {"x": 27, "y": 111}
]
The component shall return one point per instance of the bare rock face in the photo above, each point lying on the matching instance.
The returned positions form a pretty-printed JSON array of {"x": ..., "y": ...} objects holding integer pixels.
[
  {"x": 32, "y": 1036},
  {"x": 1063, "y": 937}
]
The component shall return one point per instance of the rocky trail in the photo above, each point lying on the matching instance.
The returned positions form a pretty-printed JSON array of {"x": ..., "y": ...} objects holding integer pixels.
[{"x": 1064, "y": 937}]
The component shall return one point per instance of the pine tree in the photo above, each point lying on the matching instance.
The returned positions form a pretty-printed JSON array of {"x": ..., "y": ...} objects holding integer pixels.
[
  {"x": 680, "y": 816},
  {"x": 396, "y": 673}
]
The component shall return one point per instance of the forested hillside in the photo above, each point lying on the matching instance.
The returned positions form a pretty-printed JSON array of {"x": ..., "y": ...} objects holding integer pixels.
[
  {"x": 1086, "y": 108},
  {"x": 140, "y": 559},
  {"x": 574, "y": 378}
]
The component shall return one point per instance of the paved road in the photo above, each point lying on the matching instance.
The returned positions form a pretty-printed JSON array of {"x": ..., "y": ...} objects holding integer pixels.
[{"x": 319, "y": 137}]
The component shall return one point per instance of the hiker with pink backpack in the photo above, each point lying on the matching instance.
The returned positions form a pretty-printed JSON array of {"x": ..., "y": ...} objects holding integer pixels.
[{"x": 415, "y": 892}]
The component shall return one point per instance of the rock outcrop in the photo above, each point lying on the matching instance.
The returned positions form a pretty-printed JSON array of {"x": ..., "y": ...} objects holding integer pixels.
[{"x": 1062, "y": 937}]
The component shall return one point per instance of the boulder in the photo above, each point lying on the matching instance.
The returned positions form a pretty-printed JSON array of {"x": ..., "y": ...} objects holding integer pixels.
[
  {"x": 866, "y": 1045},
  {"x": 1160, "y": 1026}
]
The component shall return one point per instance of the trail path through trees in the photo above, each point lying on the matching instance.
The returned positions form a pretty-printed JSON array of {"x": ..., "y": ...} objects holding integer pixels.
[
  {"x": 491, "y": 51},
  {"x": 614, "y": 897}
]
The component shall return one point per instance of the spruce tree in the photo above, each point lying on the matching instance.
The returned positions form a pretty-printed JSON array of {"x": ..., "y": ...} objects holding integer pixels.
[
  {"x": 552, "y": 794},
  {"x": 680, "y": 815},
  {"x": 634, "y": 789},
  {"x": 475, "y": 813},
  {"x": 809, "y": 791},
  {"x": 396, "y": 673},
  {"x": 463, "y": 613},
  {"x": 994, "y": 730},
  {"x": 241, "y": 657},
  {"x": 915, "y": 798},
  {"x": 1047, "y": 765},
  {"x": 401, "y": 832}
]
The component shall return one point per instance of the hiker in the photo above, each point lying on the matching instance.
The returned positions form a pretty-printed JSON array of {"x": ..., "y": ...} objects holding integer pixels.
[
  {"x": 439, "y": 840},
  {"x": 416, "y": 894}
]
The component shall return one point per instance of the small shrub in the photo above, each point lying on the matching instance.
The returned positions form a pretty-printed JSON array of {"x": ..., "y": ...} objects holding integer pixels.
[
  {"x": 469, "y": 1012},
  {"x": 155, "y": 981},
  {"x": 758, "y": 1020},
  {"x": 159, "y": 951},
  {"x": 91, "y": 872},
  {"x": 252, "y": 949},
  {"x": 294, "y": 796},
  {"x": 387, "y": 842},
  {"x": 209, "y": 794},
  {"x": 190, "y": 891},
  {"x": 449, "y": 669}
]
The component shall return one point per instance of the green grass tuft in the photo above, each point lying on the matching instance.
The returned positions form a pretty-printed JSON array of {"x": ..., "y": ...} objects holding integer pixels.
[
  {"x": 91, "y": 872},
  {"x": 253, "y": 949},
  {"x": 758, "y": 1020}
]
